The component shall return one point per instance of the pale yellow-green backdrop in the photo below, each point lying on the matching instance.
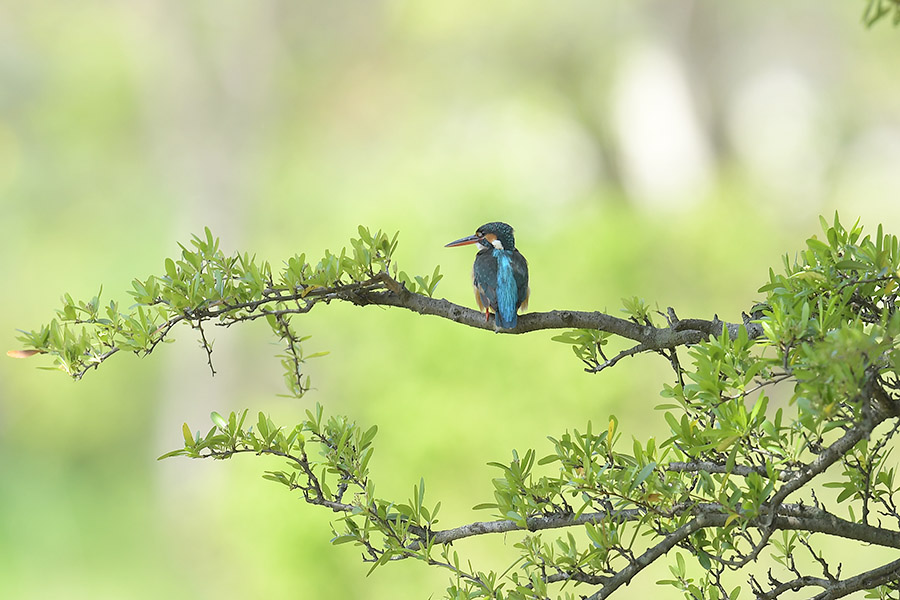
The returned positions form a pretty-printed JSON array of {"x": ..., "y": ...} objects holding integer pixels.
[{"x": 671, "y": 150}]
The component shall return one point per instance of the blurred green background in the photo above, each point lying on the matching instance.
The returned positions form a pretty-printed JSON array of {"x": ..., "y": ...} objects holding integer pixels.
[{"x": 671, "y": 150}]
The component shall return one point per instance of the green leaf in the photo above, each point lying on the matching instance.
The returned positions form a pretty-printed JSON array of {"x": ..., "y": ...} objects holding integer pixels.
[
  {"x": 642, "y": 475},
  {"x": 179, "y": 452},
  {"x": 343, "y": 539},
  {"x": 219, "y": 420},
  {"x": 732, "y": 458},
  {"x": 850, "y": 265},
  {"x": 262, "y": 425},
  {"x": 818, "y": 245},
  {"x": 171, "y": 271},
  {"x": 188, "y": 436}
]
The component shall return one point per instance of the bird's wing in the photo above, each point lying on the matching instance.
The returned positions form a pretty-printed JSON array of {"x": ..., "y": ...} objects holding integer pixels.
[
  {"x": 484, "y": 278},
  {"x": 520, "y": 274}
]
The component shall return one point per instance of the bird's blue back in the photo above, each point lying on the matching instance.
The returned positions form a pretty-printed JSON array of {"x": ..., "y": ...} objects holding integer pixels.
[{"x": 507, "y": 290}]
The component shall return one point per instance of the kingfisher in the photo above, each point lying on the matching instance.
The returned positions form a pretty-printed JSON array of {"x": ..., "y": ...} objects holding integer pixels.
[{"x": 500, "y": 273}]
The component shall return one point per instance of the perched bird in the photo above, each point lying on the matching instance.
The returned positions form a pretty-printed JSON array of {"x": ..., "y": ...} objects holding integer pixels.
[{"x": 500, "y": 273}]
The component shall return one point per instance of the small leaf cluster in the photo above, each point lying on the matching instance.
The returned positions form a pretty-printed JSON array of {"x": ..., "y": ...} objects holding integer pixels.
[
  {"x": 205, "y": 285},
  {"x": 831, "y": 320},
  {"x": 587, "y": 344},
  {"x": 638, "y": 310}
]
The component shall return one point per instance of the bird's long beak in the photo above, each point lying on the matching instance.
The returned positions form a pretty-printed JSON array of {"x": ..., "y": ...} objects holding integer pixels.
[{"x": 463, "y": 241}]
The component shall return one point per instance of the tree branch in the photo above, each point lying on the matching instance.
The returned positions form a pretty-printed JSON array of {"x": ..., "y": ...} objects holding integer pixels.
[
  {"x": 654, "y": 338},
  {"x": 707, "y": 466},
  {"x": 797, "y": 517},
  {"x": 555, "y": 521},
  {"x": 833, "y": 589},
  {"x": 864, "y": 581}
]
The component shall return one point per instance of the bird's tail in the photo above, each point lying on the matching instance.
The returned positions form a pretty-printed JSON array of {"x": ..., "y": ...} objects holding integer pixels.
[{"x": 508, "y": 322}]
